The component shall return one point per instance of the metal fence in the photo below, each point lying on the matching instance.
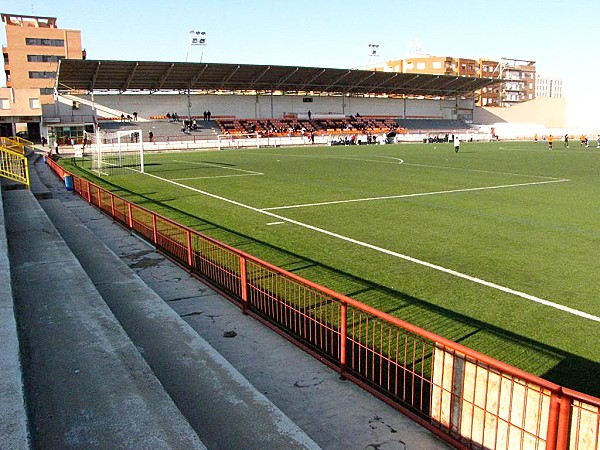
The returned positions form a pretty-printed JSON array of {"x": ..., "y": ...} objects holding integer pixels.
[
  {"x": 13, "y": 165},
  {"x": 468, "y": 399}
]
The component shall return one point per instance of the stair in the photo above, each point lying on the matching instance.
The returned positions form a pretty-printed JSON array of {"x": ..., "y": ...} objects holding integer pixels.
[{"x": 106, "y": 360}]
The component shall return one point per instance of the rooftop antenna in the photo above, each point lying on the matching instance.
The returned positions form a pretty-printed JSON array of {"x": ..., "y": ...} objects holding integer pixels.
[{"x": 415, "y": 47}]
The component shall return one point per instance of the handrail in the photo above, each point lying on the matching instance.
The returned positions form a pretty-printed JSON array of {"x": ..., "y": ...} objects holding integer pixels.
[
  {"x": 466, "y": 398},
  {"x": 24, "y": 143},
  {"x": 12, "y": 144},
  {"x": 14, "y": 166}
]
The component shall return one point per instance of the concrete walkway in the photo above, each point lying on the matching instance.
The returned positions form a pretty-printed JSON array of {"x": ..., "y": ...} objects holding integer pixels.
[{"x": 235, "y": 382}]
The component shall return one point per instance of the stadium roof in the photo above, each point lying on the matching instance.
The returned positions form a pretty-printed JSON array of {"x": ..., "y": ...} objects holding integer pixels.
[{"x": 89, "y": 75}]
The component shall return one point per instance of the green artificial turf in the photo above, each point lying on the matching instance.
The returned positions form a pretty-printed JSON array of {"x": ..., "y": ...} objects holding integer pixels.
[{"x": 511, "y": 214}]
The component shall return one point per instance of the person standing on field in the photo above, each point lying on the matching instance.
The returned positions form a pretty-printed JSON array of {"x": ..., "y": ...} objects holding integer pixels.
[
  {"x": 456, "y": 144},
  {"x": 550, "y": 139}
]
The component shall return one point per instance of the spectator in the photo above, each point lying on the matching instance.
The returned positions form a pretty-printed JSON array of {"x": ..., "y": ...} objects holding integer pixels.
[
  {"x": 135, "y": 116},
  {"x": 150, "y": 136}
]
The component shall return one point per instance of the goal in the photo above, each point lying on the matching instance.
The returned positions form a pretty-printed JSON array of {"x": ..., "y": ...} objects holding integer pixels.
[
  {"x": 238, "y": 140},
  {"x": 117, "y": 153}
]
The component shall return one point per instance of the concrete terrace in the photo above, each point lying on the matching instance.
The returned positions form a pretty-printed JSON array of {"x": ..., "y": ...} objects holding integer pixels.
[{"x": 107, "y": 344}]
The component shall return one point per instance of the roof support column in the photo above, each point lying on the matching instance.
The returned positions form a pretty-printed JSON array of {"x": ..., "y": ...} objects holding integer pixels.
[{"x": 189, "y": 103}]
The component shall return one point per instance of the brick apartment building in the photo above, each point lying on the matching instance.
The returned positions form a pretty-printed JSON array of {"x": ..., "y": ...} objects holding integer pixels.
[
  {"x": 519, "y": 75},
  {"x": 34, "y": 46}
]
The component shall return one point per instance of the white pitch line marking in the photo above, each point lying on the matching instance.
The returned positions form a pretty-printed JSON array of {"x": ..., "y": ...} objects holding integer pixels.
[
  {"x": 431, "y": 166},
  {"x": 420, "y": 194},
  {"x": 219, "y": 176},
  {"x": 275, "y": 223},
  {"x": 219, "y": 166},
  {"x": 392, "y": 253}
]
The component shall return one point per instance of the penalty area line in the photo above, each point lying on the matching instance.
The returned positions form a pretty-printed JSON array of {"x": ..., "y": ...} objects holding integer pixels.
[
  {"x": 419, "y": 194},
  {"x": 391, "y": 253}
]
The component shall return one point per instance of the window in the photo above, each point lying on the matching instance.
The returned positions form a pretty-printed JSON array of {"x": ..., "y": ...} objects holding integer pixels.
[
  {"x": 485, "y": 68},
  {"x": 4, "y": 103},
  {"x": 34, "y": 103},
  {"x": 409, "y": 65},
  {"x": 421, "y": 66},
  {"x": 45, "y": 42},
  {"x": 46, "y": 91},
  {"x": 437, "y": 64},
  {"x": 44, "y": 58},
  {"x": 48, "y": 75}
]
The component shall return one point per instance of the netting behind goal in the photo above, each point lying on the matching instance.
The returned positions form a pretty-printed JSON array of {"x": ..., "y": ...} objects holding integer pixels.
[{"x": 117, "y": 153}]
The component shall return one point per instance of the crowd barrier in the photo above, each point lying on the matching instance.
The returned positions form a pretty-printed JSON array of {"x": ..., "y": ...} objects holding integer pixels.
[{"x": 468, "y": 399}]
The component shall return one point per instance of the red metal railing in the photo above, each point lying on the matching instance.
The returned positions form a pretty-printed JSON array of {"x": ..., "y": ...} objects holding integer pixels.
[{"x": 468, "y": 399}]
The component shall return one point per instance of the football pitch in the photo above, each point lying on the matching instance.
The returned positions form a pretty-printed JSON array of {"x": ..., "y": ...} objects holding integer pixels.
[{"x": 496, "y": 247}]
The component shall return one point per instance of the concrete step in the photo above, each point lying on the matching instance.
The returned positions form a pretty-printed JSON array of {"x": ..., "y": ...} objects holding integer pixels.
[
  {"x": 210, "y": 393},
  {"x": 13, "y": 416},
  {"x": 86, "y": 384}
]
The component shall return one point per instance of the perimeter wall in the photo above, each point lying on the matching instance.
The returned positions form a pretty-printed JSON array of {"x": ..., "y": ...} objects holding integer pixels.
[{"x": 274, "y": 106}]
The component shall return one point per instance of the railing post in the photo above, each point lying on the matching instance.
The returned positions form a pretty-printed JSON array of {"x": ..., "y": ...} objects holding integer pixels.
[
  {"x": 343, "y": 337},
  {"x": 564, "y": 422},
  {"x": 112, "y": 205},
  {"x": 244, "y": 284},
  {"x": 188, "y": 236},
  {"x": 558, "y": 421},
  {"x": 553, "y": 415},
  {"x": 89, "y": 192},
  {"x": 154, "y": 230},
  {"x": 130, "y": 215}
]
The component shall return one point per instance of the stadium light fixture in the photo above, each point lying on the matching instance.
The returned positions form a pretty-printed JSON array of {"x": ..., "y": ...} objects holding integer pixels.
[
  {"x": 373, "y": 48},
  {"x": 196, "y": 38}
]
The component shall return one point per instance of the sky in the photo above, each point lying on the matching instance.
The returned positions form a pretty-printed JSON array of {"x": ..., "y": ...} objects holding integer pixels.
[{"x": 561, "y": 36}]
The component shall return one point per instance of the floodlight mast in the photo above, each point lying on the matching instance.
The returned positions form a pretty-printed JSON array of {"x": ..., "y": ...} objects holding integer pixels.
[{"x": 196, "y": 38}]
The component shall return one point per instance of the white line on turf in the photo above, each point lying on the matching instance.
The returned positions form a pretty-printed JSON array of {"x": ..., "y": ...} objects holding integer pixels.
[
  {"x": 275, "y": 223},
  {"x": 218, "y": 166},
  {"x": 219, "y": 176},
  {"x": 432, "y": 166},
  {"x": 391, "y": 253},
  {"x": 420, "y": 194}
]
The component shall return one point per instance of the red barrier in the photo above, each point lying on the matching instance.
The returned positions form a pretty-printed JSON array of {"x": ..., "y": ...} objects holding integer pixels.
[{"x": 468, "y": 399}]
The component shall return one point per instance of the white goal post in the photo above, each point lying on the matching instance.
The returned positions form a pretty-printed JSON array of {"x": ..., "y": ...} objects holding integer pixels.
[
  {"x": 238, "y": 140},
  {"x": 117, "y": 152}
]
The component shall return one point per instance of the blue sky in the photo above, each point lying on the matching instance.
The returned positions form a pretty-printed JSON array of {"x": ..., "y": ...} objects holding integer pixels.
[{"x": 561, "y": 36}]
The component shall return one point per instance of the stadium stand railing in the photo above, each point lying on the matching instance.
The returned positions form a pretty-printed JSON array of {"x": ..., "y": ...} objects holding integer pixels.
[
  {"x": 14, "y": 165},
  {"x": 14, "y": 145},
  {"x": 468, "y": 399}
]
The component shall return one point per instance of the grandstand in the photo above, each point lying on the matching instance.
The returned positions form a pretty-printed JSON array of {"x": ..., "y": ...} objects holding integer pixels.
[{"x": 254, "y": 99}]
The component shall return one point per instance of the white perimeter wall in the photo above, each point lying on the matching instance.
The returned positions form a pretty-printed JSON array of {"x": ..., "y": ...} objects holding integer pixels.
[{"x": 267, "y": 106}]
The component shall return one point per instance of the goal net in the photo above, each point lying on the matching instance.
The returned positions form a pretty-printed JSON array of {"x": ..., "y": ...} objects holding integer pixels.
[
  {"x": 238, "y": 140},
  {"x": 116, "y": 153}
]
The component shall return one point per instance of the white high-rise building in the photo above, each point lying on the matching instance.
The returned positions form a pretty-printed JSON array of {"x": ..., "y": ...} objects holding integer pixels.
[{"x": 548, "y": 87}]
